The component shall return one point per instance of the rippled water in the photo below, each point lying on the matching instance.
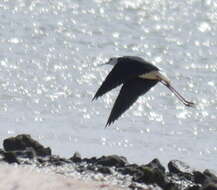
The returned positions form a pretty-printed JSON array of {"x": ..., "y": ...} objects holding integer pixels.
[{"x": 50, "y": 52}]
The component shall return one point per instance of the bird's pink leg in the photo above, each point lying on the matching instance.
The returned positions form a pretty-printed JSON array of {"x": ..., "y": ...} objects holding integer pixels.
[{"x": 181, "y": 98}]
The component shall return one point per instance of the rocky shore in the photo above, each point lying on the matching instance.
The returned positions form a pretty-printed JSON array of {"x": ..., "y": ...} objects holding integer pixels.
[{"x": 106, "y": 172}]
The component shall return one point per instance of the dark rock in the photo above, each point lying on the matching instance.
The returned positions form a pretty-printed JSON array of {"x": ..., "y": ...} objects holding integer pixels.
[
  {"x": 76, "y": 157},
  {"x": 182, "y": 169},
  {"x": 130, "y": 169},
  {"x": 113, "y": 160},
  {"x": 58, "y": 161},
  {"x": 199, "y": 177},
  {"x": 171, "y": 186},
  {"x": 211, "y": 178},
  {"x": 21, "y": 142},
  {"x": 211, "y": 186},
  {"x": 150, "y": 176},
  {"x": 179, "y": 177},
  {"x": 134, "y": 186},
  {"x": 41, "y": 161},
  {"x": 104, "y": 170},
  {"x": 97, "y": 168},
  {"x": 81, "y": 168},
  {"x": 152, "y": 173},
  {"x": 205, "y": 178},
  {"x": 155, "y": 164},
  {"x": 90, "y": 160},
  {"x": 28, "y": 153},
  {"x": 194, "y": 187},
  {"x": 14, "y": 156},
  {"x": 90, "y": 167},
  {"x": 176, "y": 166},
  {"x": 10, "y": 157}
]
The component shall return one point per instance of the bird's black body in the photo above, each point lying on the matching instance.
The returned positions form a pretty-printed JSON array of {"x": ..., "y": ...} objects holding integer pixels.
[
  {"x": 127, "y": 68},
  {"x": 137, "y": 77},
  {"x": 126, "y": 72},
  {"x": 129, "y": 93}
]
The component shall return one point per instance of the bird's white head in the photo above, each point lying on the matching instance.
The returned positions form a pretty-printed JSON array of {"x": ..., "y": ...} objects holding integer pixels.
[{"x": 113, "y": 61}]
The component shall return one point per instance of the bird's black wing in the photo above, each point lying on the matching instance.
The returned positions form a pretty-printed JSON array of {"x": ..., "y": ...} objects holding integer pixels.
[
  {"x": 129, "y": 93},
  {"x": 127, "y": 68}
]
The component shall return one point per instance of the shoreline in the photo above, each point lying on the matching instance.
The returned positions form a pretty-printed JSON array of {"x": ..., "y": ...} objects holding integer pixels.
[
  {"x": 21, "y": 178},
  {"x": 25, "y": 155}
]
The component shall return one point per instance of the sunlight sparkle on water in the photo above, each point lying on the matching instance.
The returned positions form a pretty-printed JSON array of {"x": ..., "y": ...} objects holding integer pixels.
[
  {"x": 14, "y": 40},
  {"x": 204, "y": 27},
  {"x": 51, "y": 66},
  {"x": 211, "y": 83}
]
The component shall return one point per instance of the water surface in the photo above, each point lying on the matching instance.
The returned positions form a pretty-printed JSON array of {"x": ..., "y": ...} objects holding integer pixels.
[{"x": 50, "y": 52}]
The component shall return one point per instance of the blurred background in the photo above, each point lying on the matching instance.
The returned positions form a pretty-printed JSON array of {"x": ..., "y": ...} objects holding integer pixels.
[{"x": 50, "y": 52}]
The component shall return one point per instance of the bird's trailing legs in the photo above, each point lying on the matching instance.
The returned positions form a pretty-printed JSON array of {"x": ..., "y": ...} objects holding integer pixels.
[
  {"x": 165, "y": 81},
  {"x": 179, "y": 96}
]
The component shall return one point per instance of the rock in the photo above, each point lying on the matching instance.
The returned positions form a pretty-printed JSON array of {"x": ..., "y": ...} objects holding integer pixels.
[
  {"x": 104, "y": 170},
  {"x": 194, "y": 187},
  {"x": 21, "y": 142},
  {"x": 10, "y": 157},
  {"x": 179, "y": 177},
  {"x": 150, "y": 176},
  {"x": 90, "y": 160},
  {"x": 76, "y": 157},
  {"x": 156, "y": 171},
  {"x": 210, "y": 177},
  {"x": 14, "y": 156},
  {"x": 113, "y": 160},
  {"x": 89, "y": 167},
  {"x": 205, "y": 178},
  {"x": 155, "y": 164},
  {"x": 42, "y": 161},
  {"x": 134, "y": 186},
  {"x": 152, "y": 173},
  {"x": 28, "y": 153},
  {"x": 199, "y": 177},
  {"x": 94, "y": 168},
  {"x": 130, "y": 169},
  {"x": 180, "y": 168},
  {"x": 176, "y": 166},
  {"x": 211, "y": 186},
  {"x": 171, "y": 186},
  {"x": 58, "y": 161}
]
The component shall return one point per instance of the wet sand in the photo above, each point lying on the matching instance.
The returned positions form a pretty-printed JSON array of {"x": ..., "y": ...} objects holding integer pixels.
[{"x": 18, "y": 178}]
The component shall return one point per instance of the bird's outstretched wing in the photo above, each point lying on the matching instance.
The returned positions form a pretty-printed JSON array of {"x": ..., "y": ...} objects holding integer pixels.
[
  {"x": 125, "y": 70},
  {"x": 129, "y": 93}
]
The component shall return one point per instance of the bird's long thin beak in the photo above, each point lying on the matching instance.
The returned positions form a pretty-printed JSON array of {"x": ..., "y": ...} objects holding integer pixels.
[
  {"x": 178, "y": 95},
  {"x": 102, "y": 64}
]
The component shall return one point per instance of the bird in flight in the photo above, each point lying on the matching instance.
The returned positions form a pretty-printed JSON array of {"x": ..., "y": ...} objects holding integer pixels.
[{"x": 136, "y": 77}]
